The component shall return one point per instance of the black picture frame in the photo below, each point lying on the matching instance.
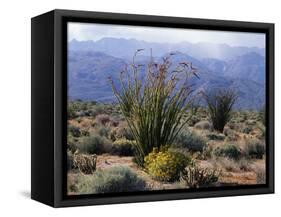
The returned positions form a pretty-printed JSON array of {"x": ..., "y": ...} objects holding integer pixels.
[{"x": 49, "y": 106}]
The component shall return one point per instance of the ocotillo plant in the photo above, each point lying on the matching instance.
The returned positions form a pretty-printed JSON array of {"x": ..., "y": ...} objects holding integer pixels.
[
  {"x": 154, "y": 105},
  {"x": 220, "y": 103}
]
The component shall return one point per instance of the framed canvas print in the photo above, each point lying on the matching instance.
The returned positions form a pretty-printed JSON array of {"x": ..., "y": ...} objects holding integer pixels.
[{"x": 134, "y": 108}]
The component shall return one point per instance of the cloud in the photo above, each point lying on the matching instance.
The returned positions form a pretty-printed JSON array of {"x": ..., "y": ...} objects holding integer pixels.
[{"x": 91, "y": 31}]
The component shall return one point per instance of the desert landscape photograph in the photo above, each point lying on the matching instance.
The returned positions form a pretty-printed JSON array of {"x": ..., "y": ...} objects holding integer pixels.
[{"x": 153, "y": 108}]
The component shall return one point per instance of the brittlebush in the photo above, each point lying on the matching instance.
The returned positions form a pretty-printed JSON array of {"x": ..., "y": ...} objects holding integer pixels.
[{"x": 165, "y": 165}]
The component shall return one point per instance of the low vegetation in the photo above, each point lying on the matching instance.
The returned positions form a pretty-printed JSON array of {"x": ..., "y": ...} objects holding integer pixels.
[
  {"x": 156, "y": 137},
  {"x": 228, "y": 151},
  {"x": 190, "y": 141},
  {"x": 123, "y": 147},
  {"x": 116, "y": 179}
]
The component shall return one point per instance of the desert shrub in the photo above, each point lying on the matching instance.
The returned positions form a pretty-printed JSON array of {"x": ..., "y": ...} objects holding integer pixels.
[
  {"x": 122, "y": 131},
  {"x": 85, "y": 163},
  {"x": 247, "y": 129},
  {"x": 228, "y": 151},
  {"x": 101, "y": 130},
  {"x": 69, "y": 160},
  {"x": 165, "y": 165},
  {"x": 71, "y": 111},
  {"x": 215, "y": 136},
  {"x": 255, "y": 148},
  {"x": 71, "y": 143},
  {"x": 115, "y": 179},
  {"x": 94, "y": 144},
  {"x": 190, "y": 141},
  {"x": 193, "y": 120},
  {"x": 244, "y": 164},
  {"x": 74, "y": 131},
  {"x": 84, "y": 132},
  {"x": 232, "y": 165},
  {"x": 154, "y": 104},
  {"x": 262, "y": 130},
  {"x": 261, "y": 176},
  {"x": 226, "y": 164},
  {"x": 102, "y": 119},
  {"x": 262, "y": 115},
  {"x": 219, "y": 104},
  {"x": 231, "y": 125},
  {"x": 123, "y": 147},
  {"x": 96, "y": 110},
  {"x": 196, "y": 177},
  {"x": 232, "y": 135},
  {"x": 76, "y": 108},
  {"x": 203, "y": 125},
  {"x": 207, "y": 152},
  {"x": 251, "y": 123}
]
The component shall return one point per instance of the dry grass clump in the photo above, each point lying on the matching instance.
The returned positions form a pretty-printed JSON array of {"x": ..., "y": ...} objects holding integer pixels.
[{"x": 85, "y": 163}]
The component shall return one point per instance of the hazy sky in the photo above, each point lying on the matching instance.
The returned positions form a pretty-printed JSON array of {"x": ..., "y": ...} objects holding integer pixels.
[{"x": 90, "y": 31}]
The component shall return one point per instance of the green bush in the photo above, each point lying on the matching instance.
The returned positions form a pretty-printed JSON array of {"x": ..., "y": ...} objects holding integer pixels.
[
  {"x": 102, "y": 119},
  {"x": 121, "y": 132},
  {"x": 85, "y": 132},
  {"x": 76, "y": 108},
  {"x": 262, "y": 115},
  {"x": 165, "y": 165},
  {"x": 203, "y": 125},
  {"x": 74, "y": 131},
  {"x": 215, "y": 136},
  {"x": 190, "y": 141},
  {"x": 123, "y": 147},
  {"x": 255, "y": 148},
  {"x": 261, "y": 176},
  {"x": 196, "y": 177},
  {"x": 71, "y": 111},
  {"x": 247, "y": 129},
  {"x": 219, "y": 104},
  {"x": 228, "y": 150},
  {"x": 115, "y": 179},
  {"x": 193, "y": 120},
  {"x": 69, "y": 160},
  {"x": 94, "y": 144},
  {"x": 102, "y": 130}
]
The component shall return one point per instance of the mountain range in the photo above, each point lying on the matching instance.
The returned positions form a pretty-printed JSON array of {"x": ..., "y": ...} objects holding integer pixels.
[
  {"x": 201, "y": 50},
  {"x": 241, "y": 68}
]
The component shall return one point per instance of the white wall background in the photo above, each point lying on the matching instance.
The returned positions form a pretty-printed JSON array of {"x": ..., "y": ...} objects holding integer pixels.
[{"x": 15, "y": 106}]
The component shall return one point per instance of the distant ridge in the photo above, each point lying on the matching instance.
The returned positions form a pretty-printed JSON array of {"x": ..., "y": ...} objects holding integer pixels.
[
  {"x": 113, "y": 46},
  {"x": 90, "y": 68}
]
